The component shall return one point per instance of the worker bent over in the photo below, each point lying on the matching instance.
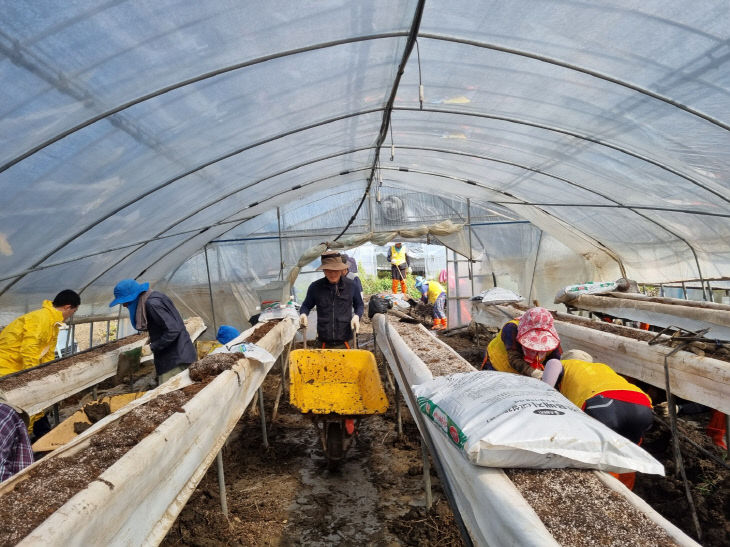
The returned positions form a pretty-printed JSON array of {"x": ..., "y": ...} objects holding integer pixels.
[
  {"x": 399, "y": 266},
  {"x": 524, "y": 345},
  {"x": 604, "y": 395},
  {"x": 432, "y": 292},
  {"x": 338, "y": 302}
]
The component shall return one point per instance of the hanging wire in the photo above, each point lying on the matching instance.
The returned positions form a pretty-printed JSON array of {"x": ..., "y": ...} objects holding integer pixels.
[
  {"x": 392, "y": 146},
  {"x": 420, "y": 82}
]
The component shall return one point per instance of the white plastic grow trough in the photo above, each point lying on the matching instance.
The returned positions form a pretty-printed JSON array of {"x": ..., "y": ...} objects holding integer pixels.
[
  {"x": 153, "y": 481},
  {"x": 662, "y": 312},
  {"x": 39, "y": 394},
  {"x": 701, "y": 379},
  {"x": 493, "y": 510}
]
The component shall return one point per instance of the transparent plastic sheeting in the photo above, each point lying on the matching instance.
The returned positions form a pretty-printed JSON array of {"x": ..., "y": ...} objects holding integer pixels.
[{"x": 132, "y": 134}]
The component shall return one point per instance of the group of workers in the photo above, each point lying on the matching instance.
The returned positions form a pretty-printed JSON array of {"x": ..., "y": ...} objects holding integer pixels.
[
  {"x": 529, "y": 346},
  {"x": 30, "y": 340}
]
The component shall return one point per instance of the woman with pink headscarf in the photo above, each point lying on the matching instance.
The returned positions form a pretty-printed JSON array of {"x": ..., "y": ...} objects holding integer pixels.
[{"x": 524, "y": 345}]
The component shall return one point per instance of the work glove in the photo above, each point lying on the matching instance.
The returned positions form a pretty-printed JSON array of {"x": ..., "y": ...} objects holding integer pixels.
[
  {"x": 303, "y": 321},
  {"x": 355, "y": 323},
  {"x": 536, "y": 373},
  {"x": 409, "y": 270},
  {"x": 146, "y": 350},
  {"x": 393, "y": 262}
]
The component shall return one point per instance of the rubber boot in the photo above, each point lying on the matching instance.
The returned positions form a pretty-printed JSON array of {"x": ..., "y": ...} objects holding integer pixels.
[
  {"x": 627, "y": 479},
  {"x": 395, "y": 286},
  {"x": 436, "y": 324},
  {"x": 444, "y": 324},
  {"x": 716, "y": 429},
  {"x": 403, "y": 287}
]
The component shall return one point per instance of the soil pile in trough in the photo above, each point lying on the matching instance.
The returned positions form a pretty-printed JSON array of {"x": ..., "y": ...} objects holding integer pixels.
[
  {"x": 710, "y": 481},
  {"x": 38, "y": 373},
  {"x": 55, "y": 480},
  {"x": 572, "y": 519}
]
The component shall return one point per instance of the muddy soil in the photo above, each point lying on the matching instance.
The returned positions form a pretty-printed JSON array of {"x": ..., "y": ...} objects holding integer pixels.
[
  {"x": 285, "y": 494},
  {"x": 710, "y": 481}
]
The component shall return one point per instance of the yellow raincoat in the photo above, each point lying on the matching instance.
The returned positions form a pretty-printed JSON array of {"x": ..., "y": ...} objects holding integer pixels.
[{"x": 30, "y": 339}]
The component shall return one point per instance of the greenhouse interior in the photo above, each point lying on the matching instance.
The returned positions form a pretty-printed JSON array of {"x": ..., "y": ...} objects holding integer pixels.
[{"x": 216, "y": 149}]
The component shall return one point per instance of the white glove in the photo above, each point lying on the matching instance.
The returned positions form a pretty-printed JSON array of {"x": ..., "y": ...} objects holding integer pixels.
[
  {"x": 355, "y": 323},
  {"x": 303, "y": 321},
  {"x": 393, "y": 262},
  {"x": 536, "y": 374},
  {"x": 146, "y": 350},
  {"x": 409, "y": 270}
]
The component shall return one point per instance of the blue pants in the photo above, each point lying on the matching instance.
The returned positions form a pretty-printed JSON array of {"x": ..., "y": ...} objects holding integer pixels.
[{"x": 439, "y": 307}]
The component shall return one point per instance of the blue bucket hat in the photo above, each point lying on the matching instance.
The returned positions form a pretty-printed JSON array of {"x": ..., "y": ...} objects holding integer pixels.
[
  {"x": 226, "y": 333},
  {"x": 127, "y": 290},
  {"x": 419, "y": 282}
]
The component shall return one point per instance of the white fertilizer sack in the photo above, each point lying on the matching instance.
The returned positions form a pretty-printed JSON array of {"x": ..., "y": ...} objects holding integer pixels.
[
  {"x": 498, "y": 419},
  {"x": 498, "y": 295}
]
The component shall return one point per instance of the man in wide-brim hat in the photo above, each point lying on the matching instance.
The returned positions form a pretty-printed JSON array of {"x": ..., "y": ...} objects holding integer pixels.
[{"x": 338, "y": 302}]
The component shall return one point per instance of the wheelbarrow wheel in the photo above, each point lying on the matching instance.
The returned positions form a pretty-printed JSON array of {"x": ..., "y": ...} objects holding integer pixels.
[{"x": 335, "y": 446}]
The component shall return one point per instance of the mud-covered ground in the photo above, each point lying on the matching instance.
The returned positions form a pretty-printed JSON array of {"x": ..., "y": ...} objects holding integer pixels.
[{"x": 285, "y": 494}]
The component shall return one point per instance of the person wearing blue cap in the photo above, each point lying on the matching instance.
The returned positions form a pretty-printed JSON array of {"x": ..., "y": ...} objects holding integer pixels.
[
  {"x": 226, "y": 333},
  {"x": 154, "y": 312}
]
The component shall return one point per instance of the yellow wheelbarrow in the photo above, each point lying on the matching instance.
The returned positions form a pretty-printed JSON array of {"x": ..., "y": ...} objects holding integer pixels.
[{"x": 336, "y": 388}]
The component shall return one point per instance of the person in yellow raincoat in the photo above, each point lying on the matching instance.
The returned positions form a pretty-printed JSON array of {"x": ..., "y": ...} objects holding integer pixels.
[
  {"x": 604, "y": 395},
  {"x": 30, "y": 339}
]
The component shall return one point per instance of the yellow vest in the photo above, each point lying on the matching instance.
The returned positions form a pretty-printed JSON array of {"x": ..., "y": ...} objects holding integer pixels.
[
  {"x": 30, "y": 339},
  {"x": 498, "y": 353},
  {"x": 398, "y": 256},
  {"x": 434, "y": 290},
  {"x": 582, "y": 380}
]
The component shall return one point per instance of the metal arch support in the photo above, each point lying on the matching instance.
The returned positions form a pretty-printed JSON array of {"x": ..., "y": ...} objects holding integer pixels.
[
  {"x": 189, "y": 81},
  {"x": 196, "y": 231},
  {"x": 181, "y": 176},
  {"x": 569, "y": 133},
  {"x": 607, "y": 250},
  {"x": 583, "y": 70}
]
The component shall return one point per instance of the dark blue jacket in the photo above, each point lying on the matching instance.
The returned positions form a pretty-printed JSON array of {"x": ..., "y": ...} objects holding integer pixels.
[
  {"x": 336, "y": 303},
  {"x": 169, "y": 340}
]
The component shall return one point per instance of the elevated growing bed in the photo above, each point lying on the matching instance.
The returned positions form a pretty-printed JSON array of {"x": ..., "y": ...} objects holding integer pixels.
[
  {"x": 704, "y": 380},
  {"x": 662, "y": 312},
  {"x": 135, "y": 499},
  {"x": 597, "y": 509},
  {"x": 40, "y": 387}
]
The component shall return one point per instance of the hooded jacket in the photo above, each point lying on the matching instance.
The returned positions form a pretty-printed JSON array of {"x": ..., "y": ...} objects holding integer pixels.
[{"x": 30, "y": 339}]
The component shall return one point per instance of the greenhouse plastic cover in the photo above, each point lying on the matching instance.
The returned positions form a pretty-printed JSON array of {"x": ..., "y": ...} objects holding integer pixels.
[{"x": 579, "y": 140}]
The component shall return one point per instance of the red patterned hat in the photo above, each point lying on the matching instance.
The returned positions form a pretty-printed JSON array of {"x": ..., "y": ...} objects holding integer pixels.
[{"x": 536, "y": 330}]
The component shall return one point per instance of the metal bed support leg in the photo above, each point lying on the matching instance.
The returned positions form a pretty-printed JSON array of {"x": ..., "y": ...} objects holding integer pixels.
[
  {"x": 426, "y": 474},
  {"x": 398, "y": 416},
  {"x": 263, "y": 418},
  {"x": 222, "y": 482}
]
